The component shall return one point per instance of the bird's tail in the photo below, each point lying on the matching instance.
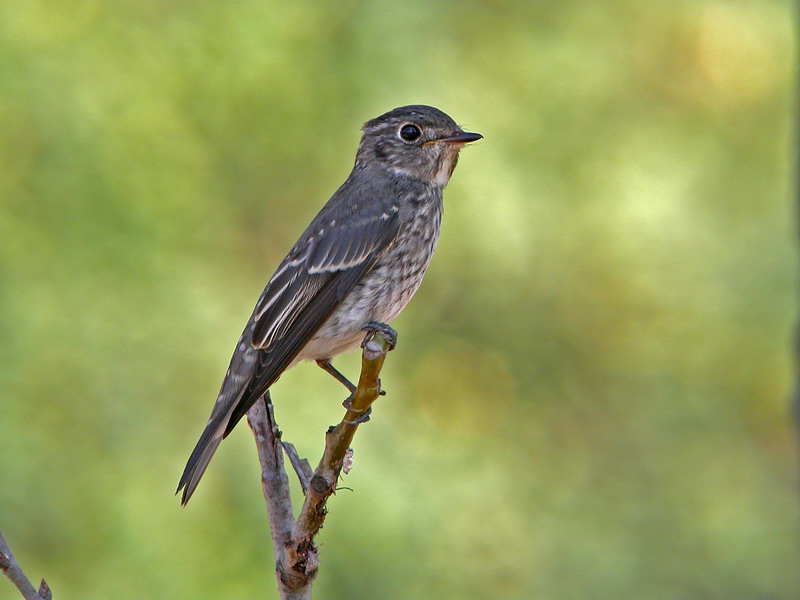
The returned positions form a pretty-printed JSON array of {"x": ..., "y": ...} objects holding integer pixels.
[
  {"x": 204, "y": 450},
  {"x": 232, "y": 392}
]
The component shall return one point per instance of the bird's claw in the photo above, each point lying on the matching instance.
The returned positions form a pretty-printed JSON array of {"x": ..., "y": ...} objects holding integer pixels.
[
  {"x": 362, "y": 417},
  {"x": 374, "y": 327}
]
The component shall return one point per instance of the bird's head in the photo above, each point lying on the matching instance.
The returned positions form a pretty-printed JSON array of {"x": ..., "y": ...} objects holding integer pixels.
[{"x": 419, "y": 141}]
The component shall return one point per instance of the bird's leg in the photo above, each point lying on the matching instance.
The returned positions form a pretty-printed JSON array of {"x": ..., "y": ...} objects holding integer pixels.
[
  {"x": 375, "y": 327},
  {"x": 325, "y": 364}
]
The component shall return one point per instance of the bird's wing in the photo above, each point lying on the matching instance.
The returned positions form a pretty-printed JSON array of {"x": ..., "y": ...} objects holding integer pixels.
[
  {"x": 319, "y": 272},
  {"x": 332, "y": 251},
  {"x": 308, "y": 286}
]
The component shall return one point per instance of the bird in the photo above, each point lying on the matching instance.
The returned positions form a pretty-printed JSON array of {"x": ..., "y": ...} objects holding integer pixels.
[{"x": 356, "y": 266}]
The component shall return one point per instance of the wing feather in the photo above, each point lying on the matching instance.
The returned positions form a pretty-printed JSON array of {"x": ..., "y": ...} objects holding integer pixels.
[
  {"x": 282, "y": 313},
  {"x": 290, "y": 320}
]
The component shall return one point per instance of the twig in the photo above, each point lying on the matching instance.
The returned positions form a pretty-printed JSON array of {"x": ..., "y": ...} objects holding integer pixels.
[
  {"x": 300, "y": 465},
  {"x": 296, "y": 556},
  {"x": 12, "y": 570}
]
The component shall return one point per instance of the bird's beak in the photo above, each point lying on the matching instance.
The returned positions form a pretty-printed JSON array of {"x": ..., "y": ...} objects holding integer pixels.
[{"x": 462, "y": 137}]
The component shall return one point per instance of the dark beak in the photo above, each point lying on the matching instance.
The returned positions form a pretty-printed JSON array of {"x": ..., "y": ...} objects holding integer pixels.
[{"x": 462, "y": 137}]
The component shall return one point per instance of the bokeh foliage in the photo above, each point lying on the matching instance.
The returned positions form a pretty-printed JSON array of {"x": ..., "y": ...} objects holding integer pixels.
[{"x": 590, "y": 395}]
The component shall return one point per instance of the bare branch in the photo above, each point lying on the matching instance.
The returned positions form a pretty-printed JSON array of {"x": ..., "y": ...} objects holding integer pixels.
[
  {"x": 12, "y": 570},
  {"x": 275, "y": 485},
  {"x": 296, "y": 557},
  {"x": 338, "y": 440}
]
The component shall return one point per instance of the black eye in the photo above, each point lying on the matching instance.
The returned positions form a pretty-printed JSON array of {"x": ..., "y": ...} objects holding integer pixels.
[{"x": 410, "y": 132}]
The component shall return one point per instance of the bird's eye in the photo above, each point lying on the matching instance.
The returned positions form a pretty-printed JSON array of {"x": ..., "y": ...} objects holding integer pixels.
[{"x": 410, "y": 132}]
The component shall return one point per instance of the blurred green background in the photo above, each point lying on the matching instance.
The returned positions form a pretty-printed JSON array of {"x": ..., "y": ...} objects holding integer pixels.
[{"x": 590, "y": 394}]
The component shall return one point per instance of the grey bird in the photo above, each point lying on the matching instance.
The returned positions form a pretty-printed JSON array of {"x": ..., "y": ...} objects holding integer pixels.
[{"x": 358, "y": 263}]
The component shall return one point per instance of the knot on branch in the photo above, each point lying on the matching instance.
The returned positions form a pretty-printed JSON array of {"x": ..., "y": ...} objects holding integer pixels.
[{"x": 319, "y": 485}]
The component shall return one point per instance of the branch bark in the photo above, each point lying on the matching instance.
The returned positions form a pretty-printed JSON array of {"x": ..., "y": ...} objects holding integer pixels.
[
  {"x": 296, "y": 556},
  {"x": 12, "y": 570}
]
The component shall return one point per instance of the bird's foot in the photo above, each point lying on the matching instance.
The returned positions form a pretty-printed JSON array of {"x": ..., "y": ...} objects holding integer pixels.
[
  {"x": 362, "y": 417},
  {"x": 382, "y": 328}
]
